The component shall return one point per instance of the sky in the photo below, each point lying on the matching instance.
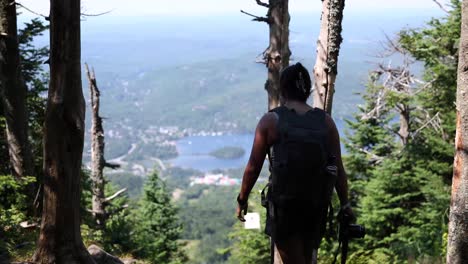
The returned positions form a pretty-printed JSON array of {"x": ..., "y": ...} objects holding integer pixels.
[{"x": 223, "y": 7}]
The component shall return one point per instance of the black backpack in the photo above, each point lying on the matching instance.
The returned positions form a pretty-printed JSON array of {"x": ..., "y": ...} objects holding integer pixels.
[{"x": 303, "y": 176}]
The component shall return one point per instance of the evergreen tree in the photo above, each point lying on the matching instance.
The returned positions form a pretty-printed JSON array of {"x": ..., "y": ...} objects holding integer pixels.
[
  {"x": 158, "y": 228},
  {"x": 32, "y": 60},
  {"x": 12, "y": 193},
  {"x": 403, "y": 199}
]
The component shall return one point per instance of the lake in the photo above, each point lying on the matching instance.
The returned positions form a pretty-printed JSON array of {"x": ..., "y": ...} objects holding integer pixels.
[{"x": 194, "y": 150}]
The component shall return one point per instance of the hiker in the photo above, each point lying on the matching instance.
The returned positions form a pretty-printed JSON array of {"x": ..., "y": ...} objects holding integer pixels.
[{"x": 301, "y": 143}]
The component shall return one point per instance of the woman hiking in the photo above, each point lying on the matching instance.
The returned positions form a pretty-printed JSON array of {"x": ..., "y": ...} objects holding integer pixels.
[{"x": 303, "y": 147}]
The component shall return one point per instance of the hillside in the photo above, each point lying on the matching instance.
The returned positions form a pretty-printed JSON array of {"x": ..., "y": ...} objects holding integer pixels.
[{"x": 150, "y": 99}]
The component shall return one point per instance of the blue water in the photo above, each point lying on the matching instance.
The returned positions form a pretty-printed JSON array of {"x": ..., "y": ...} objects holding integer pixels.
[{"x": 193, "y": 152}]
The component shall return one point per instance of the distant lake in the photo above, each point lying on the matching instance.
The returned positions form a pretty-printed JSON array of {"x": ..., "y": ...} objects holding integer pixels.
[{"x": 194, "y": 150}]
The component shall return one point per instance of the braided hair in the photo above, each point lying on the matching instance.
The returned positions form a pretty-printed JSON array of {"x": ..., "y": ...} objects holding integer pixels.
[{"x": 295, "y": 83}]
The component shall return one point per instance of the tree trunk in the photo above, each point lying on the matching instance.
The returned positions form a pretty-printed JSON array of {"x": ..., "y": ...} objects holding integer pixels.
[
  {"x": 404, "y": 131},
  {"x": 277, "y": 58},
  {"x": 13, "y": 92},
  {"x": 60, "y": 238},
  {"x": 97, "y": 154},
  {"x": 328, "y": 48},
  {"x": 278, "y": 53},
  {"x": 98, "y": 162},
  {"x": 457, "y": 250}
]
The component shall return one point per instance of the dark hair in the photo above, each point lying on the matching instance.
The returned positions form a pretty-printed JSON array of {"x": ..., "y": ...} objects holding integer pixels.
[{"x": 295, "y": 83}]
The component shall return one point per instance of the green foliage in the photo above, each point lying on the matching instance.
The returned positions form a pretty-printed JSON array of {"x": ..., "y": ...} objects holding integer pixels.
[
  {"x": 157, "y": 230},
  {"x": 36, "y": 79},
  {"x": 15, "y": 240},
  {"x": 228, "y": 153},
  {"x": 13, "y": 205},
  {"x": 117, "y": 236},
  {"x": 368, "y": 141},
  {"x": 134, "y": 184},
  {"x": 401, "y": 192},
  {"x": 207, "y": 213},
  {"x": 437, "y": 47},
  {"x": 250, "y": 246},
  {"x": 176, "y": 177}
]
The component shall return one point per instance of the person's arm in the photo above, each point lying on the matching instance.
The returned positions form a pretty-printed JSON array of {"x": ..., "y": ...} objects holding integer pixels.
[
  {"x": 335, "y": 150},
  {"x": 256, "y": 160}
]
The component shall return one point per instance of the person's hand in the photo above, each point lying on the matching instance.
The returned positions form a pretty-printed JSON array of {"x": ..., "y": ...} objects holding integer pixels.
[
  {"x": 347, "y": 213},
  {"x": 241, "y": 212},
  {"x": 241, "y": 209}
]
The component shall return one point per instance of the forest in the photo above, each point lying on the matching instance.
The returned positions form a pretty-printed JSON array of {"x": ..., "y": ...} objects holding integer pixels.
[{"x": 87, "y": 151}]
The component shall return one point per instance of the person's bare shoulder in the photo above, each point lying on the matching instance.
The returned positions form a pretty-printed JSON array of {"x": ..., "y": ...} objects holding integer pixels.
[
  {"x": 269, "y": 119},
  {"x": 267, "y": 126}
]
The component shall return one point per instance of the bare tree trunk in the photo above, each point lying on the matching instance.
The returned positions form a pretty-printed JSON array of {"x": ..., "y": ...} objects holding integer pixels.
[
  {"x": 60, "y": 238},
  {"x": 97, "y": 154},
  {"x": 277, "y": 58},
  {"x": 328, "y": 49},
  {"x": 457, "y": 250},
  {"x": 404, "y": 131},
  {"x": 98, "y": 162},
  {"x": 13, "y": 92},
  {"x": 278, "y": 53}
]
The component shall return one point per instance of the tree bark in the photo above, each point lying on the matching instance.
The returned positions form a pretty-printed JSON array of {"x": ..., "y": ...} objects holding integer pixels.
[
  {"x": 278, "y": 53},
  {"x": 277, "y": 58},
  {"x": 13, "y": 92},
  {"x": 328, "y": 49},
  {"x": 457, "y": 250},
  {"x": 404, "y": 131},
  {"x": 98, "y": 161},
  {"x": 60, "y": 238}
]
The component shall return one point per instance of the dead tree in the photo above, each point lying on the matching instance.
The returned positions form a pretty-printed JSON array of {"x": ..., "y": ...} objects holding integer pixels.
[
  {"x": 398, "y": 83},
  {"x": 398, "y": 88},
  {"x": 457, "y": 250},
  {"x": 276, "y": 56},
  {"x": 13, "y": 92},
  {"x": 98, "y": 162},
  {"x": 60, "y": 238},
  {"x": 328, "y": 49}
]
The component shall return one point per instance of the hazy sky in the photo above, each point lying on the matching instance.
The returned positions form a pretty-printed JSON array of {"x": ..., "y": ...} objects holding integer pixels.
[{"x": 222, "y": 7}]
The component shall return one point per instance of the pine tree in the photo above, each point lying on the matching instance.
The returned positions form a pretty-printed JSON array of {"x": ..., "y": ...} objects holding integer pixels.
[
  {"x": 403, "y": 198},
  {"x": 158, "y": 228}
]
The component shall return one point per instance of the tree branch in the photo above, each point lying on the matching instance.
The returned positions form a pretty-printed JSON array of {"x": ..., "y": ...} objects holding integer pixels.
[
  {"x": 111, "y": 165},
  {"x": 441, "y": 6},
  {"x": 260, "y": 3},
  {"x": 29, "y": 225},
  {"x": 98, "y": 14},
  {"x": 257, "y": 18},
  {"x": 31, "y": 11},
  {"x": 115, "y": 195},
  {"x": 117, "y": 210}
]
